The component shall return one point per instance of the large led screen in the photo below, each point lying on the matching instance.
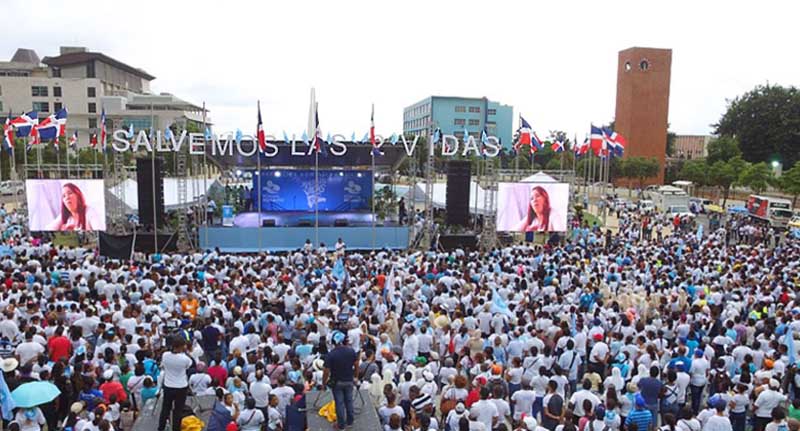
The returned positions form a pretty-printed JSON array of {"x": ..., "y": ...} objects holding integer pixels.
[
  {"x": 532, "y": 207},
  {"x": 66, "y": 205}
]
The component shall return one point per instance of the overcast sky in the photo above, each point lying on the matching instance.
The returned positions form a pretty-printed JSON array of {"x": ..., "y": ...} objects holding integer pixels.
[{"x": 555, "y": 62}]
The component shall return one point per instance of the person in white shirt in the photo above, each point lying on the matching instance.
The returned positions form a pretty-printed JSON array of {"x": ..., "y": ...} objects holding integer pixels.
[
  {"x": 485, "y": 411},
  {"x": 718, "y": 422},
  {"x": 175, "y": 384},
  {"x": 767, "y": 400},
  {"x": 584, "y": 394}
]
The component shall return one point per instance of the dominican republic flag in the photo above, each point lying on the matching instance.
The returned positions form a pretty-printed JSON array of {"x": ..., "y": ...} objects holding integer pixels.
[
  {"x": 8, "y": 134},
  {"x": 558, "y": 144},
  {"x": 524, "y": 134},
  {"x": 53, "y": 126},
  {"x": 262, "y": 139},
  {"x": 103, "y": 131},
  {"x": 25, "y": 123},
  {"x": 582, "y": 148},
  {"x": 317, "y": 132},
  {"x": 375, "y": 150},
  {"x": 93, "y": 140},
  {"x": 73, "y": 140},
  {"x": 596, "y": 140},
  {"x": 615, "y": 143}
]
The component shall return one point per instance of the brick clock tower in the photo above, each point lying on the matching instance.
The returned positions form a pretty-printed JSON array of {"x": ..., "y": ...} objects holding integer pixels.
[{"x": 643, "y": 76}]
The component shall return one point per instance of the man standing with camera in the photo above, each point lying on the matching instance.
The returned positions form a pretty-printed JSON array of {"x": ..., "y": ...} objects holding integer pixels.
[
  {"x": 341, "y": 364},
  {"x": 175, "y": 365}
]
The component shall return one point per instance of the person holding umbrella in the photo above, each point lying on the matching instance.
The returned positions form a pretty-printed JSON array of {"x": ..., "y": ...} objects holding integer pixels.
[{"x": 30, "y": 419}]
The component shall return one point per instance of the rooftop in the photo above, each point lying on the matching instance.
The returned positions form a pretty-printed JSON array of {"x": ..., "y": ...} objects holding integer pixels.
[{"x": 71, "y": 57}]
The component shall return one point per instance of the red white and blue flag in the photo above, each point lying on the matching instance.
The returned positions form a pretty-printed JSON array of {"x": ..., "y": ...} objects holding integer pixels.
[
  {"x": 558, "y": 144},
  {"x": 525, "y": 134},
  {"x": 582, "y": 148},
  {"x": 8, "y": 134},
  {"x": 53, "y": 126},
  {"x": 317, "y": 133},
  {"x": 103, "y": 130},
  {"x": 25, "y": 123},
  {"x": 93, "y": 140},
  {"x": 615, "y": 143},
  {"x": 375, "y": 150},
  {"x": 73, "y": 140},
  {"x": 597, "y": 141},
  {"x": 262, "y": 139}
]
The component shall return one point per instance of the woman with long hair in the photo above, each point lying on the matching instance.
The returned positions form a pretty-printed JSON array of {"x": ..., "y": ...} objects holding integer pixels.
[
  {"x": 75, "y": 214},
  {"x": 538, "y": 215}
]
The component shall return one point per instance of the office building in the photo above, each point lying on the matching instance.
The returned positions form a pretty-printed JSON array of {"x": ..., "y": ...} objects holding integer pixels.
[
  {"x": 455, "y": 114},
  {"x": 643, "y": 80},
  {"x": 84, "y": 83},
  {"x": 691, "y": 146}
]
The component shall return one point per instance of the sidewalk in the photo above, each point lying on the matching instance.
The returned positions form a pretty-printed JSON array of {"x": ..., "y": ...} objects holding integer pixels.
[{"x": 612, "y": 222}]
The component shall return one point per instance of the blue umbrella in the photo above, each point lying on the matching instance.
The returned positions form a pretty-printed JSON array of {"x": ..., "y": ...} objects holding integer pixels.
[{"x": 34, "y": 393}]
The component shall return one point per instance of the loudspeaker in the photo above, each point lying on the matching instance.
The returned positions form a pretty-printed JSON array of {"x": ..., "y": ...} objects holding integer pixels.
[
  {"x": 305, "y": 223},
  {"x": 457, "y": 198},
  {"x": 340, "y": 222},
  {"x": 147, "y": 184},
  {"x": 268, "y": 222}
]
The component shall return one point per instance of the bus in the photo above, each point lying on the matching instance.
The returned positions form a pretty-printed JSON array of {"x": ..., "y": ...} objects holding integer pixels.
[{"x": 776, "y": 211}]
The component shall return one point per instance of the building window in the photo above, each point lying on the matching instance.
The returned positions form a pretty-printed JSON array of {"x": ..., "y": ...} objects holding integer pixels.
[
  {"x": 474, "y": 122},
  {"x": 39, "y": 91},
  {"x": 491, "y": 111},
  {"x": 56, "y": 106},
  {"x": 92, "y": 107},
  {"x": 56, "y": 72},
  {"x": 475, "y": 109},
  {"x": 91, "y": 92},
  {"x": 41, "y": 106},
  {"x": 1, "y": 106},
  {"x": 56, "y": 91},
  {"x": 90, "y": 69},
  {"x": 93, "y": 123},
  {"x": 459, "y": 122},
  {"x": 461, "y": 109}
]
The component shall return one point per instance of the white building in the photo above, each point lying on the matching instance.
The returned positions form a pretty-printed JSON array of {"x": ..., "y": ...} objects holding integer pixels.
[{"x": 84, "y": 83}]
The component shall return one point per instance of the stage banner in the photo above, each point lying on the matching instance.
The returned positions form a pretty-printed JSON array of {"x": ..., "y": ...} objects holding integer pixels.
[
  {"x": 227, "y": 215},
  {"x": 293, "y": 190}
]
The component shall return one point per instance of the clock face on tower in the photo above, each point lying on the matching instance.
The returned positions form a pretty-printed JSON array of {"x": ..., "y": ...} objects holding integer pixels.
[
  {"x": 644, "y": 65},
  {"x": 627, "y": 66}
]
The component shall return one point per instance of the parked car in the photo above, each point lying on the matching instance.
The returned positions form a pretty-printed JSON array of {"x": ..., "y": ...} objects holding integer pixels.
[
  {"x": 794, "y": 222},
  {"x": 11, "y": 188},
  {"x": 646, "y": 205}
]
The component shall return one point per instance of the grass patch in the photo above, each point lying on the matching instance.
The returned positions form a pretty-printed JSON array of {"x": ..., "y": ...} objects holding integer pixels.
[
  {"x": 66, "y": 239},
  {"x": 591, "y": 219}
]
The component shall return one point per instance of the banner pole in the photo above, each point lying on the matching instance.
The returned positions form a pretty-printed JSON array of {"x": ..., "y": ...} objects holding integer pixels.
[
  {"x": 316, "y": 191},
  {"x": 258, "y": 168},
  {"x": 203, "y": 169},
  {"x": 372, "y": 182},
  {"x": 153, "y": 175}
]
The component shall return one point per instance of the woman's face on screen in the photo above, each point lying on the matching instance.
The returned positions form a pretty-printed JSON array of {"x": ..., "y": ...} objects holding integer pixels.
[
  {"x": 70, "y": 199},
  {"x": 537, "y": 202}
]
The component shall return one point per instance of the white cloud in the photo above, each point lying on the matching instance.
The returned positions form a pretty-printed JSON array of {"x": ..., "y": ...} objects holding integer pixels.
[{"x": 554, "y": 62}]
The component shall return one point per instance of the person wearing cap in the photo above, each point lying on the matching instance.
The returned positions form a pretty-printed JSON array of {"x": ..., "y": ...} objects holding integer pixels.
[
  {"x": 640, "y": 416},
  {"x": 341, "y": 364},
  {"x": 719, "y": 421},
  {"x": 455, "y": 415},
  {"x": 175, "y": 365},
  {"x": 598, "y": 356}
]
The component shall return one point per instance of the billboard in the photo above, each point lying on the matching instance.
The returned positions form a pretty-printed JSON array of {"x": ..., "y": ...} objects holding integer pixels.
[
  {"x": 294, "y": 190},
  {"x": 66, "y": 205},
  {"x": 532, "y": 207}
]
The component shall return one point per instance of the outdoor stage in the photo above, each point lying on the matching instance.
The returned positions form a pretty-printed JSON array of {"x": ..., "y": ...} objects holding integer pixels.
[{"x": 275, "y": 239}]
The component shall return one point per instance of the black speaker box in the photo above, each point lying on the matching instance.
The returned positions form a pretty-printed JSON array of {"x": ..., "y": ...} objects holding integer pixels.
[
  {"x": 457, "y": 197},
  {"x": 149, "y": 183}
]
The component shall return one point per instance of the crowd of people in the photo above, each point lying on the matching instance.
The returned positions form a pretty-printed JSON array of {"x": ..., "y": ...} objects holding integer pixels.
[{"x": 641, "y": 329}]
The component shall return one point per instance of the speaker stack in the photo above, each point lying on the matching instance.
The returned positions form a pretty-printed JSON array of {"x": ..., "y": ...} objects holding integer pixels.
[
  {"x": 457, "y": 198},
  {"x": 147, "y": 184}
]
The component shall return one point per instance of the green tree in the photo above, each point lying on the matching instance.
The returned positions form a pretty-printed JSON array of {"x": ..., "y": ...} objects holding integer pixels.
[
  {"x": 726, "y": 174},
  {"x": 757, "y": 176},
  {"x": 766, "y": 122},
  {"x": 789, "y": 182},
  {"x": 671, "y": 137},
  {"x": 695, "y": 171},
  {"x": 723, "y": 148},
  {"x": 640, "y": 169}
]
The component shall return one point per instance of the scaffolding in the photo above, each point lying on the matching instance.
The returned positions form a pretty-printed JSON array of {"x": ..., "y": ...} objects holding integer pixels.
[
  {"x": 489, "y": 233},
  {"x": 430, "y": 178},
  {"x": 184, "y": 240},
  {"x": 117, "y": 211}
]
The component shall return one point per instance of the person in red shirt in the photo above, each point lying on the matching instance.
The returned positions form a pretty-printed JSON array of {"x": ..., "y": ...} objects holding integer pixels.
[
  {"x": 59, "y": 346},
  {"x": 218, "y": 373},
  {"x": 112, "y": 387}
]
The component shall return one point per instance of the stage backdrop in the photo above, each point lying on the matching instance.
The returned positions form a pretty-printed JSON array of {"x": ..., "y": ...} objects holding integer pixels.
[
  {"x": 515, "y": 202},
  {"x": 293, "y": 190}
]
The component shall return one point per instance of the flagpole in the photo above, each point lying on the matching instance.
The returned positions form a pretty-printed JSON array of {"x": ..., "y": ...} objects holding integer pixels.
[
  {"x": 316, "y": 191},
  {"x": 205, "y": 185},
  {"x": 153, "y": 176},
  {"x": 58, "y": 157},
  {"x": 258, "y": 167},
  {"x": 67, "y": 155}
]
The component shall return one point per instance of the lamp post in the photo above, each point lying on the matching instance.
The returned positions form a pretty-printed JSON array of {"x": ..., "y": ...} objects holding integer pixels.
[{"x": 777, "y": 168}]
